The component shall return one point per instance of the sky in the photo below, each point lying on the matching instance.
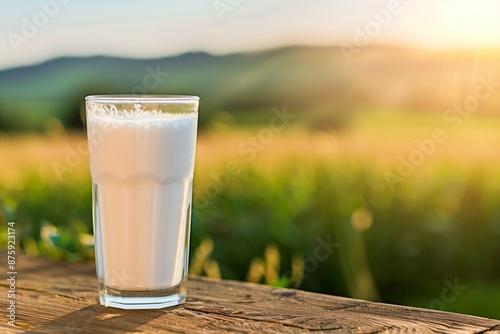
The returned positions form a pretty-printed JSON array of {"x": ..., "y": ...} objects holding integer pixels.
[{"x": 33, "y": 31}]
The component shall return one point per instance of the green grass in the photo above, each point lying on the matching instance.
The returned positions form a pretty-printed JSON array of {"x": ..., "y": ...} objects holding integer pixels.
[
  {"x": 398, "y": 246},
  {"x": 478, "y": 298}
]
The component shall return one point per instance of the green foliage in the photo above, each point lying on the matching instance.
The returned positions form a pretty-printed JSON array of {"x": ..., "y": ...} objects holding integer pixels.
[
  {"x": 442, "y": 222},
  {"x": 52, "y": 219}
]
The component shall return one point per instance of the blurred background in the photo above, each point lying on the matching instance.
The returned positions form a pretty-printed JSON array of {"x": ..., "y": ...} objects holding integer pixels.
[{"x": 344, "y": 148}]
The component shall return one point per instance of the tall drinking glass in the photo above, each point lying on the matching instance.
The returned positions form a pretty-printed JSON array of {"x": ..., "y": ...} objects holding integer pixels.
[{"x": 142, "y": 151}]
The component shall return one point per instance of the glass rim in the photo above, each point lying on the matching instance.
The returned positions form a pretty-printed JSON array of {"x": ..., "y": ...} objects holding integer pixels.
[{"x": 130, "y": 98}]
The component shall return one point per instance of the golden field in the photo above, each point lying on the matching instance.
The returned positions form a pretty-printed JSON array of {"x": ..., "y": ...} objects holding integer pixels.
[{"x": 397, "y": 242}]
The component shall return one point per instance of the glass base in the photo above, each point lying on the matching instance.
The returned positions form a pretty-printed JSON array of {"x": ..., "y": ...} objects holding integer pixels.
[{"x": 142, "y": 300}]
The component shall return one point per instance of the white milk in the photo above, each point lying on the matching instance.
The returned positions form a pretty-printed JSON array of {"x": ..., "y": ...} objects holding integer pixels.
[{"x": 142, "y": 171}]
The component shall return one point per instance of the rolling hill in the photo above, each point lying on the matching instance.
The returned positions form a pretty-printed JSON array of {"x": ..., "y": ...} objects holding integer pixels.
[{"x": 317, "y": 82}]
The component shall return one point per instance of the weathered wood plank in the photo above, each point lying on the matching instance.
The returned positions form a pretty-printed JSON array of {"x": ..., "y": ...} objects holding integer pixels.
[{"x": 58, "y": 297}]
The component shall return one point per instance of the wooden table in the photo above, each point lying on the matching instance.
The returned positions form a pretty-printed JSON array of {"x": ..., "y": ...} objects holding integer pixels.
[{"x": 60, "y": 297}]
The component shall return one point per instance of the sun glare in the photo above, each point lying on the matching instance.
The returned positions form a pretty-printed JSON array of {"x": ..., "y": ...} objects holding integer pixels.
[{"x": 473, "y": 23}]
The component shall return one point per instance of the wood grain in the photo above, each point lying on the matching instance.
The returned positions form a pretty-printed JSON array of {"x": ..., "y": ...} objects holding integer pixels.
[{"x": 59, "y": 297}]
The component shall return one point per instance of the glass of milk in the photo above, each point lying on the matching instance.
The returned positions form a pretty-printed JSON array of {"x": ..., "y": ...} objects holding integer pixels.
[{"x": 142, "y": 151}]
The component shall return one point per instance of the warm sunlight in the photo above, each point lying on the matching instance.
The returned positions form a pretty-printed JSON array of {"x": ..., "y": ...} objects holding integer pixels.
[{"x": 473, "y": 23}]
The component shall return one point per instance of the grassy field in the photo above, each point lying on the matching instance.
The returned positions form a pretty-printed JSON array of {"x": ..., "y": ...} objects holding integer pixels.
[{"x": 379, "y": 211}]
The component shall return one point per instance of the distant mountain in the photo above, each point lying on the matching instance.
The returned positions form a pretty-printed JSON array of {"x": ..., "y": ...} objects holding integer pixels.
[{"x": 321, "y": 83}]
